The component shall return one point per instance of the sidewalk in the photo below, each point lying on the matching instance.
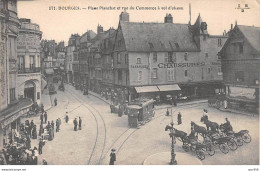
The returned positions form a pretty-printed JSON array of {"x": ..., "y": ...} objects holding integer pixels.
[{"x": 238, "y": 112}]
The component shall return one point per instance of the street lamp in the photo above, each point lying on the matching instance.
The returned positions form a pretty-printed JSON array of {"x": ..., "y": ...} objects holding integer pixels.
[{"x": 172, "y": 136}]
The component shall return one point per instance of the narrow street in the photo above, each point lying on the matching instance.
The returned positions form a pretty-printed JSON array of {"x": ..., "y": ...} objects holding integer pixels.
[{"x": 102, "y": 131}]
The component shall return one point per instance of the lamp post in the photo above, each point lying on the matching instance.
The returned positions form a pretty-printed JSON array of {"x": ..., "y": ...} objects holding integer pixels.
[{"x": 172, "y": 135}]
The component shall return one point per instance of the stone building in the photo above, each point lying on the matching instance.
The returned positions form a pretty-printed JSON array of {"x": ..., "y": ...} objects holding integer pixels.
[
  {"x": 150, "y": 58},
  {"x": 29, "y": 61},
  {"x": 85, "y": 41},
  {"x": 11, "y": 107},
  {"x": 240, "y": 66}
]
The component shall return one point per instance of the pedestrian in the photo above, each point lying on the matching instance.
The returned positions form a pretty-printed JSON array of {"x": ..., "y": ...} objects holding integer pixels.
[
  {"x": 41, "y": 130},
  {"x": 75, "y": 122},
  {"x": 55, "y": 101},
  {"x": 112, "y": 157},
  {"x": 34, "y": 132},
  {"x": 167, "y": 112},
  {"x": 66, "y": 118},
  {"x": 57, "y": 125},
  {"x": 80, "y": 121},
  {"x": 51, "y": 134},
  {"x": 52, "y": 125},
  {"x": 42, "y": 108},
  {"x": 35, "y": 156},
  {"x": 41, "y": 118},
  {"x": 179, "y": 118},
  {"x": 41, "y": 143},
  {"x": 28, "y": 142},
  {"x": 48, "y": 126},
  {"x": 45, "y": 117}
]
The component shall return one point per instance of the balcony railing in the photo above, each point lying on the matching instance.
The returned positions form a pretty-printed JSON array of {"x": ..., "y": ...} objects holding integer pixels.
[{"x": 29, "y": 70}]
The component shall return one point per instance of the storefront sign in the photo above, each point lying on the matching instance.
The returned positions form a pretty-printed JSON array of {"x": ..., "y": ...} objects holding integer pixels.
[
  {"x": 175, "y": 65},
  {"x": 139, "y": 66}
]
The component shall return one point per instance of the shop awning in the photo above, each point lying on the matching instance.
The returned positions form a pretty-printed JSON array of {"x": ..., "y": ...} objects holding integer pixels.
[
  {"x": 49, "y": 71},
  {"x": 12, "y": 113},
  {"x": 146, "y": 89},
  {"x": 62, "y": 68},
  {"x": 43, "y": 84},
  {"x": 171, "y": 87}
]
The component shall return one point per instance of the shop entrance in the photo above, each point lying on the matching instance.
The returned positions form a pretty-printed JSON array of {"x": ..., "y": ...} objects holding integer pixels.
[{"x": 29, "y": 91}]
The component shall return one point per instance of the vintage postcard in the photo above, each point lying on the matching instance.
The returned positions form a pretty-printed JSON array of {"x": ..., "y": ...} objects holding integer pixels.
[{"x": 135, "y": 82}]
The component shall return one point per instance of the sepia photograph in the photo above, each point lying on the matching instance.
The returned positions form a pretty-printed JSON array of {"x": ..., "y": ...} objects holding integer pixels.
[{"x": 129, "y": 82}]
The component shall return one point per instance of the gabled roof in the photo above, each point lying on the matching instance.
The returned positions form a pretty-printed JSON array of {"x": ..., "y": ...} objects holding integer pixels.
[
  {"x": 157, "y": 37},
  {"x": 252, "y": 34},
  {"x": 87, "y": 36}
]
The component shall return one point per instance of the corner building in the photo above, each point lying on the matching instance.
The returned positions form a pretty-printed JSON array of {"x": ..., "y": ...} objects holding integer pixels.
[
  {"x": 163, "y": 58},
  {"x": 29, "y": 61}
]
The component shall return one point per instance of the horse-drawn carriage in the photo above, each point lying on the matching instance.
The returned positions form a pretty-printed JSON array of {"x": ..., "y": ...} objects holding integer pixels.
[
  {"x": 217, "y": 101},
  {"x": 140, "y": 112}
]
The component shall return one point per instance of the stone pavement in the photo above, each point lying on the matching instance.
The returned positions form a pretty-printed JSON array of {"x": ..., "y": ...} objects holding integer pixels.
[{"x": 163, "y": 158}]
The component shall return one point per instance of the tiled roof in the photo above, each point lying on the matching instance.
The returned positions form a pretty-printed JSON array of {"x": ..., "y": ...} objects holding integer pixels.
[
  {"x": 158, "y": 37},
  {"x": 252, "y": 34}
]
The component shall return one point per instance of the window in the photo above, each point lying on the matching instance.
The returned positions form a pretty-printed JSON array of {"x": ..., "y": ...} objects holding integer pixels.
[
  {"x": 140, "y": 75},
  {"x": 219, "y": 43},
  {"x": 138, "y": 61},
  {"x": 209, "y": 70},
  {"x": 126, "y": 59},
  {"x": 186, "y": 73},
  {"x": 219, "y": 70},
  {"x": 155, "y": 73},
  {"x": 120, "y": 75},
  {"x": 170, "y": 74},
  {"x": 170, "y": 59},
  {"x": 166, "y": 57},
  {"x": 154, "y": 57},
  {"x": 206, "y": 55},
  {"x": 240, "y": 46},
  {"x": 185, "y": 56},
  {"x": 38, "y": 95},
  {"x": 239, "y": 76},
  {"x": 31, "y": 62},
  {"x": 118, "y": 58},
  {"x": 21, "y": 62},
  {"x": 12, "y": 94}
]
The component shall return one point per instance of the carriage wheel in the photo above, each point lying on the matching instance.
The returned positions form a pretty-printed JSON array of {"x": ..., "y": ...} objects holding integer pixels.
[
  {"x": 246, "y": 138},
  {"x": 186, "y": 147},
  {"x": 210, "y": 150},
  {"x": 224, "y": 148},
  {"x": 232, "y": 144},
  {"x": 200, "y": 153},
  {"x": 239, "y": 141}
]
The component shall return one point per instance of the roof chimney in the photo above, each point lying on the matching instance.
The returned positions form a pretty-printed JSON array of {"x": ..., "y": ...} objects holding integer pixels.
[
  {"x": 99, "y": 29},
  {"x": 168, "y": 18},
  {"x": 124, "y": 16},
  {"x": 231, "y": 26}
]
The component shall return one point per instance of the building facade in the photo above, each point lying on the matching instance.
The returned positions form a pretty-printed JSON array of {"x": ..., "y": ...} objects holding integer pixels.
[
  {"x": 164, "y": 57},
  {"x": 11, "y": 107},
  {"x": 29, "y": 61},
  {"x": 240, "y": 66}
]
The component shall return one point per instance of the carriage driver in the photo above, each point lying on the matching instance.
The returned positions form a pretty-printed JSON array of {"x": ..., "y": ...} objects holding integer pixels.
[
  {"x": 228, "y": 125},
  {"x": 192, "y": 138}
]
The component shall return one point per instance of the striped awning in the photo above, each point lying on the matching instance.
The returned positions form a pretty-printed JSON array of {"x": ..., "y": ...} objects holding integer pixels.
[
  {"x": 146, "y": 89},
  {"x": 171, "y": 87}
]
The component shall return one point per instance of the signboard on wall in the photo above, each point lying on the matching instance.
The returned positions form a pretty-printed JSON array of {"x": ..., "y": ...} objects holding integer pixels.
[
  {"x": 25, "y": 41},
  {"x": 248, "y": 93}
]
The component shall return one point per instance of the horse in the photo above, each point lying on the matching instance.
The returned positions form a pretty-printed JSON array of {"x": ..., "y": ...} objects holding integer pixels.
[
  {"x": 212, "y": 125},
  {"x": 178, "y": 134},
  {"x": 199, "y": 129}
]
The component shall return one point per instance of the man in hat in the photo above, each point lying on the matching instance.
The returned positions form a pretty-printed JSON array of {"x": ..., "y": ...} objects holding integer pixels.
[
  {"x": 228, "y": 125},
  {"x": 179, "y": 118},
  {"x": 45, "y": 117},
  {"x": 112, "y": 157},
  {"x": 75, "y": 122},
  {"x": 41, "y": 143},
  {"x": 41, "y": 118},
  {"x": 55, "y": 101}
]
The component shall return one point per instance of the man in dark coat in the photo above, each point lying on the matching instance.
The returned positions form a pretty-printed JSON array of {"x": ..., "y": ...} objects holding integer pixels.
[
  {"x": 167, "y": 112},
  {"x": 45, "y": 117},
  {"x": 112, "y": 157},
  {"x": 41, "y": 143},
  {"x": 41, "y": 130},
  {"x": 179, "y": 118},
  {"x": 57, "y": 125},
  {"x": 80, "y": 121},
  {"x": 75, "y": 122},
  {"x": 41, "y": 118},
  {"x": 55, "y": 101},
  {"x": 67, "y": 117}
]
